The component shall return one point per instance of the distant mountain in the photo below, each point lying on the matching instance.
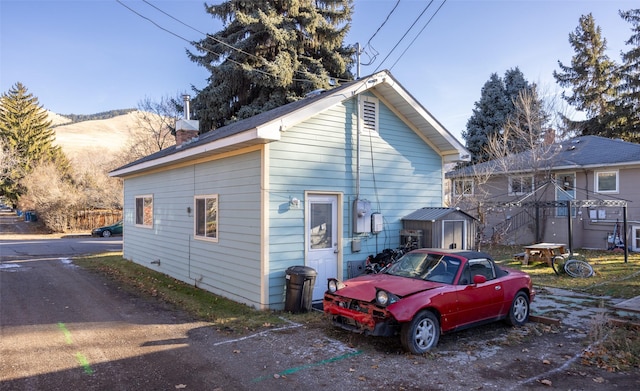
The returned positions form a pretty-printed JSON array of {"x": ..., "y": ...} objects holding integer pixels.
[
  {"x": 98, "y": 116},
  {"x": 98, "y": 135}
]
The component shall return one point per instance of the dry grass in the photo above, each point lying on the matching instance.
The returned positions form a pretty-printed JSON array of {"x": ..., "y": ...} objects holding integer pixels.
[
  {"x": 612, "y": 276},
  {"x": 226, "y": 315}
]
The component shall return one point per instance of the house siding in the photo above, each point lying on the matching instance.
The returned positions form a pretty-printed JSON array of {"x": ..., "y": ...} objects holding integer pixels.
[
  {"x": 588, "y": 232},
  {"x": 230, "y": 267},
  {"x": 320, "y": 155}
]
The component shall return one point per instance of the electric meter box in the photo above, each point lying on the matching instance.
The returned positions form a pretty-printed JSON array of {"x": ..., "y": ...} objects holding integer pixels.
[
  {"x": 376, "y": 223},
  {"x": 361, "y": 216}
]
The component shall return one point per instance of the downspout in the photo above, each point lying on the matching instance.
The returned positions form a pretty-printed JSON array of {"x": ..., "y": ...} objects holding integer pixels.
[{"x": 358, "y": 124}]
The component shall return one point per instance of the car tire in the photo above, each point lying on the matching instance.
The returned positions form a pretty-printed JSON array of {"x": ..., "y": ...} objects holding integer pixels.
[
  {"x": 421, "y": 334},
  {"x": 106, "y": 233},
  {"x": 519, "y": 311}
]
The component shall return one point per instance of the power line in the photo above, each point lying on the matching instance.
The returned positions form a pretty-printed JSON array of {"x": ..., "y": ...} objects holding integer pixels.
[
  {"x": 368, "y": 44},
  {"x": 404, "y": 35},
  {"x": 203, "y": 33},
  {"x": 198, "y": 46},
  {"x": 416, "y": 37},
  {"x": 193, "y": 43}
]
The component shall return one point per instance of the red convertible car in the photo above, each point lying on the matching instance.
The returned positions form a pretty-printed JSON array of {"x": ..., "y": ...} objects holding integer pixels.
[{"x": 428, "y": 292}]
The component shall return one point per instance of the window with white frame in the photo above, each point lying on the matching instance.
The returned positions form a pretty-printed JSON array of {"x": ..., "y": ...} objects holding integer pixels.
[
  {"x": 206, "y": 217},
  {"x": 520, "y": 184},
  {"x": 369, "y": 114},
  {"x": 606, "y": 181},
  {"x": 144, "y": 211},
  {"x": 463, "y": 187}
]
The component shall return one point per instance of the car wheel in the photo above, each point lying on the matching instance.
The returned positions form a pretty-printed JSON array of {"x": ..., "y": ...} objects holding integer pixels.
[
  {"x": 421, "y": 334},
  {"x": 106, "y": 233},
  {"x": 519, "y": 311}
]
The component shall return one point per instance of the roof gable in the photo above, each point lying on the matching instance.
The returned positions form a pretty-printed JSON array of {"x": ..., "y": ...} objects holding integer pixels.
[{"x": 266, "y": 127}]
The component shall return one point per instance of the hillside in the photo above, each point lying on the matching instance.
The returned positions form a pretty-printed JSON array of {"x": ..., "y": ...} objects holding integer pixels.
[{"x": 107, "y": 135}]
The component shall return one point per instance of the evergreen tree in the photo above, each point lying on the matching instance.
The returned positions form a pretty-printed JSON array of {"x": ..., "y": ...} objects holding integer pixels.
[
  {"x": 489, "y": 115},
  {"x": 270, "y": 52},
  {"x": 593, "y": 79},
  {"x": 26, "y": 131},
  {"x": 630, "y": 75},
  {"x": 496, "y": 106}
]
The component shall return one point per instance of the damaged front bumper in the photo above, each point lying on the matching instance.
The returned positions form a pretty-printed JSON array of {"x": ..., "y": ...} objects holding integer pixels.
[{"x": 360, "y": 317}]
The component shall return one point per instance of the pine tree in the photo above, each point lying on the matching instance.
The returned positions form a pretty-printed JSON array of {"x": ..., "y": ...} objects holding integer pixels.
[
  {"x": 497, "y": 106},
  {"x": 26, "y": 131},
  {"x": 630, "y": 75},
  {"x": 593, "y": 79},
  {"x": 270, "y": 52},
  {"x": 489, "y": 115}
]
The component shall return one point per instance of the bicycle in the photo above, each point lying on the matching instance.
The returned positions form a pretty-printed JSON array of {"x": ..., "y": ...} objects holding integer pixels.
[{"x": 575, "y": 267}]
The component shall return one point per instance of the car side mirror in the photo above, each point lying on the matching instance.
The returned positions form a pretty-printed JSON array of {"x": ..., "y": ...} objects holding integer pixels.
[{"x": 479, "y": 279}]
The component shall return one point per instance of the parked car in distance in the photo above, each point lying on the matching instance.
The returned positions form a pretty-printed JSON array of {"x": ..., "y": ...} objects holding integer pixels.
[
  {"x": 428, "y": 292},
  {"x": 108, "y": 230}
]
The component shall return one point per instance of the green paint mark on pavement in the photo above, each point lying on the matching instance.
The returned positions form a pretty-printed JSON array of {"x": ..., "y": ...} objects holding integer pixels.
[
  {"x": 85, "y": 363},
  {"x": 315, "y": 364},
  {"x": 67, "y": 334}
]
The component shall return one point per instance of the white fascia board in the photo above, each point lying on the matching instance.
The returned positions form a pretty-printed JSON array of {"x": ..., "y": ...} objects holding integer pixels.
[
  {"x": 330, "y": 99},
  {"x": 204, "y": 149},
  {"x": 462, "y": 151}
]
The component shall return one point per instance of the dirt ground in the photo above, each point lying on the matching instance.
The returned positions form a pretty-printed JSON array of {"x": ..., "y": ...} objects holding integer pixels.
[{"x": 305, "y": 354}]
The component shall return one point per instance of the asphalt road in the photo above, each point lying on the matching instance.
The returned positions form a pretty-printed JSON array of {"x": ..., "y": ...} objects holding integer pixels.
[{"x": 57, "y": 247}]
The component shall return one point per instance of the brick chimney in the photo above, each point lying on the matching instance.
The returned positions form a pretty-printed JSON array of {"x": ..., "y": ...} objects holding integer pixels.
[
  {"x": 549, "y": 136},
  {"x": 186, "y": 129}
]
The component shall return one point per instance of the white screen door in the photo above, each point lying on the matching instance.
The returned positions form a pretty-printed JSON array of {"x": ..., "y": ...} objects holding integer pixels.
[{"x": 322, "y": 240}]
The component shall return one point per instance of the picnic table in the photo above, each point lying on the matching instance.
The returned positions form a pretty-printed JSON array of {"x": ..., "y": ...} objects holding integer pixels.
[{"x": 543, "y": 252}]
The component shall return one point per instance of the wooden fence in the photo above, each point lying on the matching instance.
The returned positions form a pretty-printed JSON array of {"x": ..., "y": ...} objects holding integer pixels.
[{"x": 89, "y": 219}]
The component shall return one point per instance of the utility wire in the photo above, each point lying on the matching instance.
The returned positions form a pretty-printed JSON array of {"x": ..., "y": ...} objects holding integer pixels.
[
  {"x": 200, "y": 46},
  {"x": 404, "y": 35},
  {"x": 368, "y": 44},
  {"x": 262, "y": 60},
  {"x": 416, "y": 37},
  {"x": 203, "y": 33}
]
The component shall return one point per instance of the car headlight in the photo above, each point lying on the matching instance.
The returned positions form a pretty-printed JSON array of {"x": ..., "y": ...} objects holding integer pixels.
[
  {"x": 384, "y": 298},
  {"x": 334, "y": 284}
]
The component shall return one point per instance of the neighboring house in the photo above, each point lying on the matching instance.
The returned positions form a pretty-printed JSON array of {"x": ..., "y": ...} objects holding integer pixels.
[
  {"x": 522, "y": 199},
  {"x": 232, "y": 209}
]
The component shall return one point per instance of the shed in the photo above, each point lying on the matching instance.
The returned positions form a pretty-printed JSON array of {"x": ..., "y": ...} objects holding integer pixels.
[{"x": 439, "y": 228}]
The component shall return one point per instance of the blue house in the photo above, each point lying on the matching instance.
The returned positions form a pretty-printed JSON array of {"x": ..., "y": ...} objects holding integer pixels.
[{"x": 318, "y": 182}]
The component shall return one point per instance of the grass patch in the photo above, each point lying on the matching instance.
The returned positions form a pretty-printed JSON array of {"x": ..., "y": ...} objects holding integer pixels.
[
  {"x": 226, "y": 315},
  {"x": 615, "y": 348},
  {"x": 612, "y": 276}
]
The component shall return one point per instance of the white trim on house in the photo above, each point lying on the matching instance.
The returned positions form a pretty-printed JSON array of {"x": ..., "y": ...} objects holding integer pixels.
[{"x": 382, "y": 84}]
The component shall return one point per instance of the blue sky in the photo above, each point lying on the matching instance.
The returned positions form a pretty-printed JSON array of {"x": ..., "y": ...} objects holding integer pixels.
[{"x": 89, "y": 56}]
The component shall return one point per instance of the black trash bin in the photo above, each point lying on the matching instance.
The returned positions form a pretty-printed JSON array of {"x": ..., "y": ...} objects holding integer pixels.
[{"x": 299, "y": 294}]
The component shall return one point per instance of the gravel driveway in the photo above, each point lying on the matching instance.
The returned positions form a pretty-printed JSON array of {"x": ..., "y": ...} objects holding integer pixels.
[{"x": 63, "y": 328}]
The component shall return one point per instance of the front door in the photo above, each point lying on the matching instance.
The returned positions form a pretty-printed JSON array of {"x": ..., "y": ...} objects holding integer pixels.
[
  {"x": 322, "y": 239},
  {"x": 635, "y": 239}
]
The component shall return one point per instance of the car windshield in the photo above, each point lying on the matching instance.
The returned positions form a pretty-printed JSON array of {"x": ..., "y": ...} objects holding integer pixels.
[{"x": 426, "y": 266}]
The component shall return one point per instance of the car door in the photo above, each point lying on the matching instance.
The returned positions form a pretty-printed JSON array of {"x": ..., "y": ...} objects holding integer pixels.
[{"x": 478, "y": 302}]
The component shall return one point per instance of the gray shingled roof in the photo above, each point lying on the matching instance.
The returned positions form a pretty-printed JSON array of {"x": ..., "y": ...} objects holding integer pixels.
[
  {"x": 236, "y": 127},
  {"x": 579, "y": 152}
]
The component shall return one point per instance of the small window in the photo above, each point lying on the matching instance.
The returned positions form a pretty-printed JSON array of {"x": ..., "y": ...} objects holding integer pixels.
[
  {"x": 606, "y": 182},
  {"x": 206, "y": 219},
  {"x": 144, "y": 211},
  {"x": 463, "y": 187},
  {"x": 369, "y": 114},
  {"x": 519, "y": 185}
]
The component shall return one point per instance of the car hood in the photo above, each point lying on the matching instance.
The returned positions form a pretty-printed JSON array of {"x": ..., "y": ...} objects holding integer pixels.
[{"x": 363, "y": 288}]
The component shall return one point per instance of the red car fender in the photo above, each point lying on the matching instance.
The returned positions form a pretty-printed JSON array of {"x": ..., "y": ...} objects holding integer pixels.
[
  {"x": 408, "y": 307},
  {"x": 512, "y": 287}
]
